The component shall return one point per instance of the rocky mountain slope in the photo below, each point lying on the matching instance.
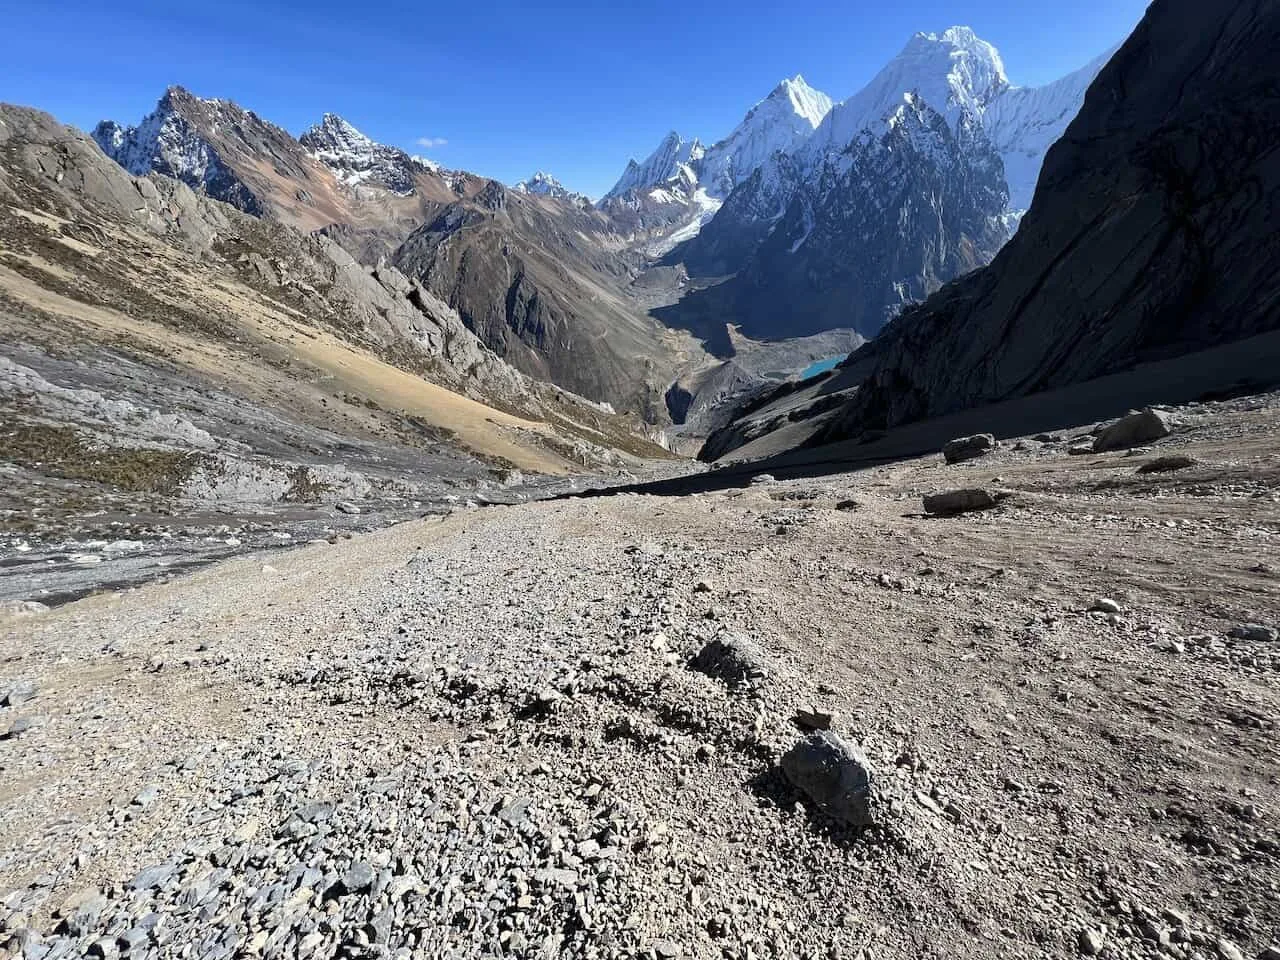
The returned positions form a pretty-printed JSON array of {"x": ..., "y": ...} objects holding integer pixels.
[
  {"x": 884, "y": 223},
  {"x": 535, "y": 271},
  {"x": 544, "y": 283},
  {"x": 1149, "y": 236},
  {"x": 173, "y": 367}
]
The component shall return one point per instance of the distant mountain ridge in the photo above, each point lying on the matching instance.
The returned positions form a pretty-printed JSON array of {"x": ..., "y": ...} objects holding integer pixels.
[
  {"x": 369, "y": 195},
  {"x": 955, "y": 72}
]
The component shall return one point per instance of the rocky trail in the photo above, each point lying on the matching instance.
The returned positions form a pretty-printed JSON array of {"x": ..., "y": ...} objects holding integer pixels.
[{"x": 559, "y": 728}]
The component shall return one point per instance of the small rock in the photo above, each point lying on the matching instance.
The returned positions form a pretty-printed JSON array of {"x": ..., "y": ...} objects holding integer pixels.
[
  {"x": 357, "y": 878},
  {"x": 24, "y": 725},
  {"x": 967, "y": 448},
  {"x": 762, "y": 478},
  {"x": 80, "y": 911},
  {"x": 147, "y": 795},
  {"x": 813, "y": 719},
  {"x": 1080, "y": 449},
  {"x": 1091, "y": 941},
  {"x": 152, "y": 878},
  {"x": 846, "y": 505},
  {"x": 345, "y": 506},
  {"x": 1228, "y": 950},
  {"x": 1253, "y": 633},
  {"x": 1105, "y": 605},
  {"x": 19, "y": 692},
  {"x": 834, "y": 774},
  {"x": 1168, "y": 464},
  {"x": 702, "y": 587},
  {"x": 732, "y": 658},
  {"x": 1132, "y": 431}
]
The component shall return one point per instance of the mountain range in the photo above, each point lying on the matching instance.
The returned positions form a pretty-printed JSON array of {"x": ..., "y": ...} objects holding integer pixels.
[
  {"x": 805, "y": 229},
  {"x": 1145, "y": 269}
]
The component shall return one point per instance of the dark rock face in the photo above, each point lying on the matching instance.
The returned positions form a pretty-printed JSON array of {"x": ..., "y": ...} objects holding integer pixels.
[
  {"x": 1152, "y": 232},
  {"x": 726, "y": 243},
  {"x": 882, "y": 224}
]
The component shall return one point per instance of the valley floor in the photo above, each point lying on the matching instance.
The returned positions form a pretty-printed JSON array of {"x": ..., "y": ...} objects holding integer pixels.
[{"x": 479, "y": 735}]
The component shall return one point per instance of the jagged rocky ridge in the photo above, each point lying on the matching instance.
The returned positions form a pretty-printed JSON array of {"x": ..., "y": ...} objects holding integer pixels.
[
  {"x": 366, "y": 195},
  {"x": 356, "y": 159},
  {"x": 1150, "y": 235},
  {"x": 784, "y": 142}
]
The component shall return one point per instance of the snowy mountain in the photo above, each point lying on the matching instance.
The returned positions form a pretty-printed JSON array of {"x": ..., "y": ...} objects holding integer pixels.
[
  {"x": 878, "y": 225},
  {"x": 669, "y": 198},
  {"x": 169, "y": 141},
  {"x": 356, "y": 160},
  {"x": 664, "y": 164},
  {"x": 953, "y": 72},
  {"x": 956, "y": 72},
  {"x": 543, "y": 184},
  {"x": 1024, "y": 122},
  {"x": 778, "y": 124}
]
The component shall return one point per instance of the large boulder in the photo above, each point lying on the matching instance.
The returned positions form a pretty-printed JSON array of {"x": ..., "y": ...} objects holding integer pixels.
[
  {"x": 958, "y": 501},
  {"x": 833, "y": 773},
  {"x": 1133, "y": 431},
  {"x": 967, "y": 448}
]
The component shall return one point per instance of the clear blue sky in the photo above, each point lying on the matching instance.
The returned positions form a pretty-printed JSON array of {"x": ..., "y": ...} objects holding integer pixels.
[{"x": 573, "y": 88}]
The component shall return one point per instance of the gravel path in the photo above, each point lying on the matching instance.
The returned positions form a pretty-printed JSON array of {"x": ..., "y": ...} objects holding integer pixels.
[{"x": 481, "y": 736}]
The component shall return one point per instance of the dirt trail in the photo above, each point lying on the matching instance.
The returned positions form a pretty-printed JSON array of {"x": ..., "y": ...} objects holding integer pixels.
[{"x": 498, "y": 708}]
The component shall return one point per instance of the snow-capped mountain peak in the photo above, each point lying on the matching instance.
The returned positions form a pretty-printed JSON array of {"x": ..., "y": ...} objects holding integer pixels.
[
  {"x": 660, "y": 166},
  {"x": 356, "y": 159},
  {"x": 954, "y": 72},
  {"x": 806, "y": 102},
  {"x": 543, "y": 184},
  {"x": 780, "y": 122}
]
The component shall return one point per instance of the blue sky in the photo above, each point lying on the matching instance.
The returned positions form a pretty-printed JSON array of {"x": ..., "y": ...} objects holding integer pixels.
[{"x": 505, "y": 88}]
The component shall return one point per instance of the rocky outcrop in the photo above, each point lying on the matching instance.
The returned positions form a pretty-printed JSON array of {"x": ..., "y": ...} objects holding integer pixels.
[
  {"x": 1151, "y": 234},
  {"x": 968, "y": 448},
  {"x": 1144, "y": 426}
]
